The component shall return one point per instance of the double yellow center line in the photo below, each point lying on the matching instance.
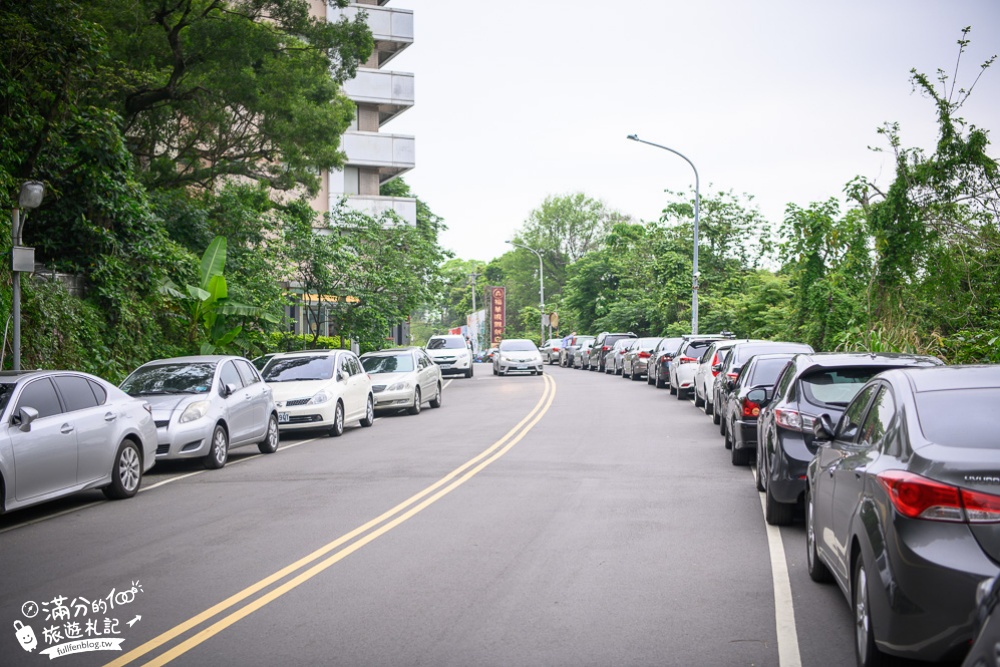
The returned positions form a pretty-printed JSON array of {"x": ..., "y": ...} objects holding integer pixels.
[{"x": 333, "y": 552}]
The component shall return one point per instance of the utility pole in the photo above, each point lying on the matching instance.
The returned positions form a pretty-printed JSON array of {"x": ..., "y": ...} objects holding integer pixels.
[{"x": 475, "y": 341}]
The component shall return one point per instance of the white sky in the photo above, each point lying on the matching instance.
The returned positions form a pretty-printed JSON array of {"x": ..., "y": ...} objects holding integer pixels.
[{"x": 523, "y": 99}]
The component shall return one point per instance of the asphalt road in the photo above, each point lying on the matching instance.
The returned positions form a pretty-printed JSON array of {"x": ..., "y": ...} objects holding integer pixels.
[{"x": 571, "y": 519}]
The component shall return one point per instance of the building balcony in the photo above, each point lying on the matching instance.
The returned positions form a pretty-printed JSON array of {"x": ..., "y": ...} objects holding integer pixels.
[
  {"x": 390, "y": 154},
  {"x": 389, "y": 92},
  {"x": 404, "y": 207},
  {"x": 391, "y": 28}
]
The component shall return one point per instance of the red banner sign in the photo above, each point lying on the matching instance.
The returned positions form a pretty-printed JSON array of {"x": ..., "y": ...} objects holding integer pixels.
[{"x": 497, "y": 315}]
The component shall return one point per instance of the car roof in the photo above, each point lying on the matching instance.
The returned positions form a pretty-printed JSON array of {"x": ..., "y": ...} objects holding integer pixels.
[
  {"x": 943, "y": 378},
  {"x": 817, "y": 360},
  {"x": 296, "y": 353},
  {"x": 391, "y": 350},
  {"x": 195, "y": 359}
]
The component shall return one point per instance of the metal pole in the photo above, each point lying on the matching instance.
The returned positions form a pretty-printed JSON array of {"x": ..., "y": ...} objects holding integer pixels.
[
  {"x": 475, "y": 339},
  {"x": 541, "y": 288},
  {"x": 695, "y": 274},
  {"x": 16, "y": 241}
]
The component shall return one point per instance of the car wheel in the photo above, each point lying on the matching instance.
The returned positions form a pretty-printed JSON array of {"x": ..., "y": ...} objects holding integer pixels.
[
  {"x": 337, "y": 429},
  {"x": 649, "y": 378},
  {"x": 218, "y": 452},
  {"x": 777, "y": 513},
  {"x": 436, "y": 401},
  {"x": 680, "y": 393},
  {"x": 369, "y": 417},
  {"x": 673, "y": 389},
  {"x": 741, "y": 457},
  {"x": 721, "y": 422},
  {"x": 468, "y": 373},
  {"x": 126, "y": 472},
  {"x": 715, "y": 415},
  {"x": 727, "y": 438},
  {"x": 415, "y": 408},
  {"x": 758, "y": 474},
  {"x": 495, "y": 371},
  {"x": 709, "y": 407},
  {"x": 660, "y": 384},
  {"x": 818, "y": 571},
  {"x": 269, "y": 445},
  {"x": 864, "y": 638},
  {"x": 698, "y": 400}
]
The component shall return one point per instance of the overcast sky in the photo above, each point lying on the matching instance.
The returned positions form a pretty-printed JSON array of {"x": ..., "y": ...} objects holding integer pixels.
[{"x": 519, "y": 100}]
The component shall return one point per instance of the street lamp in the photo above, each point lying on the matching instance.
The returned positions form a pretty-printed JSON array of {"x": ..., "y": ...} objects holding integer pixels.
[
  {"x": 22, "y": 259},
  {"x": 541, "y": 286},
  {"x": 695, "y": 273}
]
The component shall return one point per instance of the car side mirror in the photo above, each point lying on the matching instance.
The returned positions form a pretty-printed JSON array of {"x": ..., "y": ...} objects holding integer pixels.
[
  {"x": 341, "y": 376},
  {"x": 716, "y": 368},
  {"x": 759, "y": 396},
  {"x": 228, "y": 390},
  {"x": 823, "y": 428},
  {"x": 24, "y": 417},
  {"x": 730, "y": 384}
]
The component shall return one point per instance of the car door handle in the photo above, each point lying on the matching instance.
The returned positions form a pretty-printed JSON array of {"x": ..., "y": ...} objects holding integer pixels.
[
  {"x": 110, "y": 416},
  {"x": 66, "y": 429}
]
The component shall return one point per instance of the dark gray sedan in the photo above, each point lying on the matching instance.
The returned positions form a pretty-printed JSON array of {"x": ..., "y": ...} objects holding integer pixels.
[{"x": 903, "y": 508}]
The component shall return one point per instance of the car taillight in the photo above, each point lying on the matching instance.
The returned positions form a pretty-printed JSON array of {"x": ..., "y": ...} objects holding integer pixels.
[
  {"x": 605, "y": 348},
  {"x": 917, "y": 497},
  {"x": 644, "y": 355},
  {"x": 732, "y": 376},
  {"x": 750, "y": 409},
  {"x": 555, "y": 349},
  {"x": 715, "y": 360},
  {"x": 686, "y": 360},
  {"x": 793, "y": 420}
]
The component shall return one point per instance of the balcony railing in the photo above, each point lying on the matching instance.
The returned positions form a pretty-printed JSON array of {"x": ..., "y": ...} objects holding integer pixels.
[
  {"x": 390, "y": 92},
  {"x": 391, "y": 154},
  {"x": 391, "y": 28}
]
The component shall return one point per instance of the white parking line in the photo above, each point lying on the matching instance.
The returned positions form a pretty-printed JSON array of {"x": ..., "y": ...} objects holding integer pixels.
[{"x": 784, "y": 610}]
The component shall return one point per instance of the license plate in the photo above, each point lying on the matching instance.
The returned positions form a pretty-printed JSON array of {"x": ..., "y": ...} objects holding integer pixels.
[
  {"x": 282, "y": 417},
  {"x": 522, "y": 368}
]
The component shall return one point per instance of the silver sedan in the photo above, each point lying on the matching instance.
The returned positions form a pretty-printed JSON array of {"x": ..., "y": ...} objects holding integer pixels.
[
  {"x": 206, "y": 405},
  {"x": 67, "y": 432},
  {"x": 403, "y": 377}
]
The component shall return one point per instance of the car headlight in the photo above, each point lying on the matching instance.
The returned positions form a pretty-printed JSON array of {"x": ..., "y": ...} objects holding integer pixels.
[
  {"x": 196, "y": 410},
  {"x": 320, "y": 397},
  {"x": 399, "y": 386}
]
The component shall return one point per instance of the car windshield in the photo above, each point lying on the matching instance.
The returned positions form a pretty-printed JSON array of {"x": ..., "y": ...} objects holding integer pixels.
[
  {"x": 161, "y": 379},
  {"x": 836, "y": 386},
  {"x": 388, "y": 363},
  {"x": 939, "y": 413},
  {"x": 517, "y": 346},
  {"x": 445, "y": 344},
  {"x": 299, "y": 368}
]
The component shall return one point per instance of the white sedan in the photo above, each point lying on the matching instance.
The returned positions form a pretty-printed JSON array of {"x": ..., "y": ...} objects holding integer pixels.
[
  {"x": 404, "y": 377},
  {"x": 518, "y": 355},
  {"x": 320, "y": 389}
]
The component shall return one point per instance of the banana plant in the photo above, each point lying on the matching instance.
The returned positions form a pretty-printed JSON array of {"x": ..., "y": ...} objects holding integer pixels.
[{"x": 207, "y": 304}]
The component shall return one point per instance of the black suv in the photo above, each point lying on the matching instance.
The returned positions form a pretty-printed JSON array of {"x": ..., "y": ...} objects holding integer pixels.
[
  {"x": 810, "y": 388},
  {"x": 599, "y": 350}
]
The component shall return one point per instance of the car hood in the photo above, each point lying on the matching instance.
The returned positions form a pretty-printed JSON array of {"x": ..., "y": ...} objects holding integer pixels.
[
  {"x": 391, "y": 378},
  {"x": 447, "y": 352},
  {"x": 168, "y": 403},
  {"x": 284, "y": 391}
]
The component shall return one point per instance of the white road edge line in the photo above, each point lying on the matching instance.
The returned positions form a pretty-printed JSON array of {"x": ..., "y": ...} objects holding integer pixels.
[{"x": 784, "y": 610}]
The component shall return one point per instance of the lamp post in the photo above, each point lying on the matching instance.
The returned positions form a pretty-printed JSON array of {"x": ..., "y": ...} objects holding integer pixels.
[
  {"x": 22, "y": 259},
  {"x": 541, "y": 286},
  {"x": 475, "y": 336},
  {"x": 695, "y": 273}
]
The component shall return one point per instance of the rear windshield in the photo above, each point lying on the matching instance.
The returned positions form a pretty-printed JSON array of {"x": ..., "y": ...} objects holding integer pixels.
[
  {"x": 937, "y": 411},
  {"x": 517, "y": 346},
  {"x": 697, "y": 348},
  {"x": 445, "y": 344},
  {"x": 170, "y": 379},
  {"x": 296, "y": 369},
  {"x": 388, "y": 363},
  {"x": 611, "y": 340},
  {"x": 836, "y": 386},
  {"x": 765, "y": 371}
]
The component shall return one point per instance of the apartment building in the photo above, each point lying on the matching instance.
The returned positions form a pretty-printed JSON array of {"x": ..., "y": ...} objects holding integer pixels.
[{"x": 373, "y": 155}]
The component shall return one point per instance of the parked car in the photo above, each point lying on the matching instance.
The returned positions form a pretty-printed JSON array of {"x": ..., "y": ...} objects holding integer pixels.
[
  {"x": 636, "y": 359},
  {"x": 705, "y": 374},
  {"x": 517, "y": 355},
  {"x": 451, "y": 352},
  {"x": 986, "y": 646},
  {"x": 602, "y": 347},
  {"x": 736, "y": 357},
  {"x": 261, "y": 361},
  {"x": 903, "y": 508},
  {"x": 568, "y": 353},
  {"x": 658, "y": 372},
  {"x": 68, "y": 432},
  {"x": 550, "y": 350},
  {"x": 810, "y": 385},
  {"x": 685, "y": 362},
  {"x": 581, "y": 357},
  {"x": 403, "y": 377},
  {"x": 321, "y": 390},
  {"x": 613, "y": 361},
  {"x": 488, "y": 355},
  {"x": 739, "y": 413},
  {"x": 205, "y": 406}
]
